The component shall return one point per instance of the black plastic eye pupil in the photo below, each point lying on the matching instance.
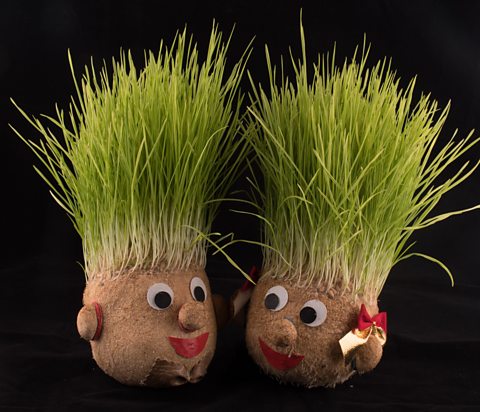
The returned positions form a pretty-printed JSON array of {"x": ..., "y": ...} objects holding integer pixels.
[
  {"x": 308, "y": 315},
  {"x": 163, "y": 300},
  {"x": 272, "y": 301},
  {"x": 199, "y": 294}
]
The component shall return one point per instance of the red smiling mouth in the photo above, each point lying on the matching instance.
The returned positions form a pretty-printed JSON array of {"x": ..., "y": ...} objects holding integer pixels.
[
  {"x": 189, "y": 347},
  {"x": 279, "y": 360}
]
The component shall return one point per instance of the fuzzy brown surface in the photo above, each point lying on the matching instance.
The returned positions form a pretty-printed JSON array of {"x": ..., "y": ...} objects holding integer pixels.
[
  {"x": 87, "y": 322},
  {"x": 284, "y": 332},
  {"x": 133, "y": 346}
]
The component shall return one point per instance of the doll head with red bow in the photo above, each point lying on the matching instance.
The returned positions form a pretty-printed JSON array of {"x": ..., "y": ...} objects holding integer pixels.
[
  {"x": 295, "y": 333},
  {"x": 348, "y": 164}
]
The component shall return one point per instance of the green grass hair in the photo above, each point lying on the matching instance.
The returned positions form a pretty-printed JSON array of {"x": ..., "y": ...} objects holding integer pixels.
[
  {"x": 351, "y": 170},
  {"x": 144, "y": 156}
]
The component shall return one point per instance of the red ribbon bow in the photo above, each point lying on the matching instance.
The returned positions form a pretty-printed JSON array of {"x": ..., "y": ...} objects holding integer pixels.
[
  {"x": 367, "y": 328},
  {"x": 365, "y": 321}
]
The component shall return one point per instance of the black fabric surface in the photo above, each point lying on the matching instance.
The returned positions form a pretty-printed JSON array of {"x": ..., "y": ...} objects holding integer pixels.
[{"x": 431, "y": 361}]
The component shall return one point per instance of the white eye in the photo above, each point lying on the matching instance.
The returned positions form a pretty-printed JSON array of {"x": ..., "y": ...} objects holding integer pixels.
[
  {"x": 276, "y": 298},
  {"x": 313, "y": 313},
  {"x": 198, "y": 289},
  {"x": 160, "y": 296}
]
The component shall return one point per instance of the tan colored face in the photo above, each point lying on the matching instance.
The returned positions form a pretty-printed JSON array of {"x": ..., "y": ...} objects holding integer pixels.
[
  {"x": 157, "y": 329},
  {"x": 293, "y": 333}
]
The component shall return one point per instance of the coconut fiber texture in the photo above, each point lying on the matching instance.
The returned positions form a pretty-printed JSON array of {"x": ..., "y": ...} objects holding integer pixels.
[
  {"x": 430, "y": 360},
  {"x": 157, "y": 328},
  {"x": 295, "y": 352}
]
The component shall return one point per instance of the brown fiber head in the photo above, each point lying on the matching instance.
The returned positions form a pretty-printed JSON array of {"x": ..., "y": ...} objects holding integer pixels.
[
  {"x": 288, "y": 339},
  {"x": 159, "y": 328}
]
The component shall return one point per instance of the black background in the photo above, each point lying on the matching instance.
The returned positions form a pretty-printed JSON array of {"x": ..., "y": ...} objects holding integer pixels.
[{"x": 431, "y": 361}]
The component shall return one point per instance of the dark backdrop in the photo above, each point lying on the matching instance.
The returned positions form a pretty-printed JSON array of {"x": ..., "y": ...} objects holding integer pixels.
[{"x": 431, "y": 361}]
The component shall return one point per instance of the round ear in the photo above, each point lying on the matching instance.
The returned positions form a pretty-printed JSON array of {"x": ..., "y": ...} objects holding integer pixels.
[
  {"x": 368, "y": 356},
  {"x": 90, "y": 321}
]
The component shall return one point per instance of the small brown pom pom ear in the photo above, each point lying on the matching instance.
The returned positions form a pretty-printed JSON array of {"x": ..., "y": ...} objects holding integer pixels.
[
  {"x": 368, "y": 356},
  {"x": 90, "y": 321}
]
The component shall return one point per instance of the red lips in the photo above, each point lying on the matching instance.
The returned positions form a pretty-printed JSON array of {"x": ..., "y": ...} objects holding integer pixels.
[
  {"x": 279, "y": 360},
  {"x": 189, "y": 347}
]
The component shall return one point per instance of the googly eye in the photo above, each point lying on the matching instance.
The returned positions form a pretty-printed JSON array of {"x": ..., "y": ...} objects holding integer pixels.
[
  {"x": 160, "y": 296},
  {"x": 276, "y": 298},
  {"x": 198, "y": 289},
  {"x": 313, "y": 313}
]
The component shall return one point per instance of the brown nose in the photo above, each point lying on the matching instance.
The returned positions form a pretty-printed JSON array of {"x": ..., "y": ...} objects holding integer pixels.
[
  {"x": 192, "y": 316},
  {"x": 284, "y": 333}
]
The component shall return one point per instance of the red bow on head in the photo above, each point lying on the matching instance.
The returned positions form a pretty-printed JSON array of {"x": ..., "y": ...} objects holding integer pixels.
[
  {"x": 365, "y": 320},
  {"x": 367, "y": 328}
]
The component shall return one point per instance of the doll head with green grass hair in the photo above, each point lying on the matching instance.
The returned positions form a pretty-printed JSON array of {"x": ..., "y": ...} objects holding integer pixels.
[
  {"x": 350, "y": 170},
  {"x": 139, "y": 163}
]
